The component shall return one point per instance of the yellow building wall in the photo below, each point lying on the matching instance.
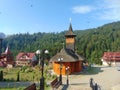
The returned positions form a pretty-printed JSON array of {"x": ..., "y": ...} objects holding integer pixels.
[
  {"x": 70, "y": 40},
  {"x": 73, "y": 67}
]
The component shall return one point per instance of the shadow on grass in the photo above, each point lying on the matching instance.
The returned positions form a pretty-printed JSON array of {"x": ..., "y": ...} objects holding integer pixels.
[{"x": 94, "y": 70}]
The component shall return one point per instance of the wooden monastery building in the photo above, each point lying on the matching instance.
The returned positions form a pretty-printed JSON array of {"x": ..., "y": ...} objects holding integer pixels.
[
  {"x": 67, "y": 57},
  {"x": 111, "y": 58}
]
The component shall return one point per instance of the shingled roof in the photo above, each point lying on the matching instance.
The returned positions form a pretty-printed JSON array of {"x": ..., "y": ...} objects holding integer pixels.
[
  {"x": 70, "y": 31},
  {"x": 68, "y": 55},
  {"x": 21, "y": 54}
]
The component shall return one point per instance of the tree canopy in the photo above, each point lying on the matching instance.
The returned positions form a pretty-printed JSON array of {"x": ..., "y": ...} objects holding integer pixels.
[{"x": 90, "y": 43}]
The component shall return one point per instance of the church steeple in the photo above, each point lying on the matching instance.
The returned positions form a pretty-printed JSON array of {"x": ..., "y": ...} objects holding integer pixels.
[
  {"x": 70, "y": 32},
  {"x": 7, "y": 51},
  {"x": 70, "y": 38}
]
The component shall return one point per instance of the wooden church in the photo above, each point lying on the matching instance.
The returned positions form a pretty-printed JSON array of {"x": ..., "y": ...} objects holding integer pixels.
[
  {"x": 6, "y": 58},
  {"x": 67, "y": 57}
]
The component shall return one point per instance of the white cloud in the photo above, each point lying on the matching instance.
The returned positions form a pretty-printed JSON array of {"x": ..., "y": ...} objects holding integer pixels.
[
  {"x": 110, "y": 10},
  {"x": 82, "y": 9},
  {"x": 112, "y": 4},
  {"x": 102, "y": 9}
]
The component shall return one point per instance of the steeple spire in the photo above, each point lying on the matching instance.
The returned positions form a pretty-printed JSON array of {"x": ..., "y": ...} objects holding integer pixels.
[
  {"x": 7, "y": 51},
  {"x": 70, "y": 31}
]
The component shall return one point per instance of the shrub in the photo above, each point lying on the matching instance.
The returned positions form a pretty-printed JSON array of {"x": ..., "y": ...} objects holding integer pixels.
[
  {"x": 1, "y": 75},
  {"x": 18, "y": 76}
]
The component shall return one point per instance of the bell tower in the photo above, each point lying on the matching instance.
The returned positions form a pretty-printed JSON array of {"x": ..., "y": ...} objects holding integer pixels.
[{"x": 70, "y": 38}]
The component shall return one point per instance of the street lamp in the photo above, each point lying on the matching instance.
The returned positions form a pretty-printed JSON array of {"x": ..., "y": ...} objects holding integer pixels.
[
  {"x": 60, "y": 61},
  {"x": 38, "y": 53},
  {"x": 67, "y": 71},
  {"x": 42, "y": 64}
]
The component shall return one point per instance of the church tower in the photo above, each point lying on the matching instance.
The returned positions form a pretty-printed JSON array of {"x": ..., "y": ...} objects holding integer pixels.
[
  {"x": 70, "y": 38},
  {"x": 68, "y": 56}
]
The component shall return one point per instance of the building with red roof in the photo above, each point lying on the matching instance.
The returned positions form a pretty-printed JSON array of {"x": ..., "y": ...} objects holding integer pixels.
[
  {"x": 111, "y": 58},
  {"x": 6, "y": 58},
  {"x": 26, "y": 59}
]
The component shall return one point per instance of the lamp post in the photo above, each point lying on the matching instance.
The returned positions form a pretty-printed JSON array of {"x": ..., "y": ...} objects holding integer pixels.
[
  {"x": 60, "y": 62},
  {"x": 67, "y": 70},
  {"x": 38, "y": 53},
  {"x": 42, "y": 64}
]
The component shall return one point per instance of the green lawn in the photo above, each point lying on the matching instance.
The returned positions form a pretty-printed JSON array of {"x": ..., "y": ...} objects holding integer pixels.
[
  {"x": 21, "y": 88},
  {"x": 29, "y": 74},
  {"x": 25, "y": 73}
]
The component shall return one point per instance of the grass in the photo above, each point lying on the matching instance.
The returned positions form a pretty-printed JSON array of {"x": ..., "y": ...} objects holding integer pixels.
[
  {"x": 94, "y": 70},
  {"x": 25, "y": 73},
  {"x": 21, "y": 88},
  {"x": 29, "y": 74}
]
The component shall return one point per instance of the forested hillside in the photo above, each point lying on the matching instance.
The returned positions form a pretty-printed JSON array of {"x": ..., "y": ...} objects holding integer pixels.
[{"x": 90, "y": 43}]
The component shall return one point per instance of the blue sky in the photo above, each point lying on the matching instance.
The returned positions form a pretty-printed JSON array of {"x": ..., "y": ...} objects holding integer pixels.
[{"x": 21, "y": 16}]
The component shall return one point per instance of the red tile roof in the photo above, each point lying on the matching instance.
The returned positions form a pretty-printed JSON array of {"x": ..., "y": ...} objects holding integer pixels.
[
  {"x": 115, "y": 56},
  {"x": 2, "y": 56},
  {"x": 21, "y": 54},
  {"x": 2, "y": 64}
]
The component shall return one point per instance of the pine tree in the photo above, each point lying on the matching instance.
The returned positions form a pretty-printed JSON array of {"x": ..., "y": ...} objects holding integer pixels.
[
  {"x": 1, "y": 75},
  {"x": 18, "y": 76}
]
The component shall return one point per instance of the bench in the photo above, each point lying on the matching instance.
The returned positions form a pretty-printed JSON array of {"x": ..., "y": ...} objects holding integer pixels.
[
  {"x": 55, "y": 84},
  {"x": 31, "y": 87}
]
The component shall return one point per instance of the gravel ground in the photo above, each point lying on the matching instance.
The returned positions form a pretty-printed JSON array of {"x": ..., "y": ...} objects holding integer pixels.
[{"x": 108, "y": 78}]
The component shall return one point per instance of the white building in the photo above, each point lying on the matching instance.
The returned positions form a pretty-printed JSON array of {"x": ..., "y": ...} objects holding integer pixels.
[{"x": 111, "y": 59}]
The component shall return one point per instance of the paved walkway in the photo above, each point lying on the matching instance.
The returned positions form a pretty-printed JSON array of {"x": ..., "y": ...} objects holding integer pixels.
[{"x": 108, "y": 78}]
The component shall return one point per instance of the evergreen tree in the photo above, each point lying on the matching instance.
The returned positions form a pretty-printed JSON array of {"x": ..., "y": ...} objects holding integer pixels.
[
  {"x": 90, "y": 43},
  {"x": 1, "y": 75},
  {"x": 18, "y": 76}
]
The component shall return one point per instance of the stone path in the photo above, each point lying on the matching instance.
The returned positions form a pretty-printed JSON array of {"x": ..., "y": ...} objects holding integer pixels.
[{"x": 108, "y": 78}]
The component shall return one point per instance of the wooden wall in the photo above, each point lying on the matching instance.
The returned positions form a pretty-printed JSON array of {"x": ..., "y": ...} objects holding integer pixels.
[
  {"x": 73, "y": 67},
  {"x": 70, "y": 40}
]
